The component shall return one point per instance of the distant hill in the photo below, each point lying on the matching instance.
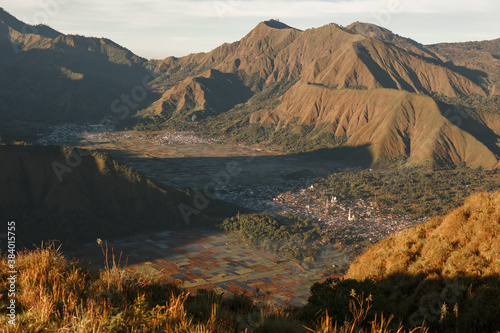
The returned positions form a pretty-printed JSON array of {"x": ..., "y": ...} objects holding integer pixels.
[
  {"x": 47, "y": 77},
  {"x": 372, "y": 30},
  {"x": 479, "y": 59},
  {"x": 98, "y": 197}
]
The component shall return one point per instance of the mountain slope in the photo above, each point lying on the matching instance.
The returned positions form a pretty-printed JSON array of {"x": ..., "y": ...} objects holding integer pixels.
[
  {"x": 464, "y": 242},
  {"x": 48, "y": 77},
  {"x": 98, "y": 197},
  {"x": 383, "y": 34},
  {"x": 451, "y": 262},
  {"x": 371, "y": 63},
  {"x": 253, "y": 54},
  {"x": 394, "y": 123},
  {"x": 480, "y": 59},
  {"x": 208, "y": 94}
]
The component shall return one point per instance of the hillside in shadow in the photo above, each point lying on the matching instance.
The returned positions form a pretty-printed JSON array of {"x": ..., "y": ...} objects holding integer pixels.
[
  {"x": 76, "y": 196},
  {"x": 249, "y": 171}
]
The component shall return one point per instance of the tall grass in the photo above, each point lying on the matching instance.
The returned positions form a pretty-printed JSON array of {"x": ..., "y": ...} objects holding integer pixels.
[
  {"x": 55, "y": 294},
  {"x": 359, "y": 306}
]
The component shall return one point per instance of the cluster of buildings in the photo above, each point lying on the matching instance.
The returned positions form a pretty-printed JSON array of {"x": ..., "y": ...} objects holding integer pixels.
[
  {"x": 346, "y": 220},
  {"x": 183, "y": 138},
  {"x": 70, "y": 132},
  {"x": 178, "y": 138}
]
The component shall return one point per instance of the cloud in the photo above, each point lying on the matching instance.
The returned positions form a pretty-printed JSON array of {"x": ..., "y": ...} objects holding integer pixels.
[{"x": 200, "y": 25}]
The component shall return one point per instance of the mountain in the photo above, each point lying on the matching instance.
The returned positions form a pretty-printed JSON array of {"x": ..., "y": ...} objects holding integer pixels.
[
  {"x": 326, "y": 55},
  {"x": 56, "y": 193},
  {"x": 47, "y": 77},
  {"x": 362, "y": 82}
]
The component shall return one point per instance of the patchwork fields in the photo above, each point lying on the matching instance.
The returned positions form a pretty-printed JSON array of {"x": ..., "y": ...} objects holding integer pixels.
[{"x": 213, "y": 260}]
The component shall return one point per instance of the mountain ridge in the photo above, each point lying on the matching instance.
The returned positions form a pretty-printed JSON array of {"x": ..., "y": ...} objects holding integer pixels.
[
  {"x": 354, "y": 60},
  {"x": 255, "y": 82}
]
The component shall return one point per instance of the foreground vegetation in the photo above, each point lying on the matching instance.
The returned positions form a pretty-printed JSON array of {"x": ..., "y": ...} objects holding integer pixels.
[
  {"x": 416, "y": 192},
  {"x": 444, "y": 273},
  {"x": 446, "y": 270},
  {"x": 55, "y": 294}
]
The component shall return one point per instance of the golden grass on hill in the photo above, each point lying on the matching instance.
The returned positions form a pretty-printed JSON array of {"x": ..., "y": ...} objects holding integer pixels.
[
  {"x": 466, "y": 242},
  {"x": 445, "y": 272}
]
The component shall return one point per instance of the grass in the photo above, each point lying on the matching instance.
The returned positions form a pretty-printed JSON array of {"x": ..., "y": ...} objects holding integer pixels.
[
  {"x": 446, "y": 271},
  {"x": 55, "y": 294}
]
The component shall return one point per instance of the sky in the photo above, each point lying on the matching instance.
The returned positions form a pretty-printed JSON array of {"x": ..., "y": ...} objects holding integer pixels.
[{"x": 155, "y": 29}]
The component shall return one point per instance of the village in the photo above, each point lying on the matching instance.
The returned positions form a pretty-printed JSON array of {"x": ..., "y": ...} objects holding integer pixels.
[
  {"x": 348, "y": 220},
  {"x": 168, "y": 138},
  {"x": 68, "y": 132}
]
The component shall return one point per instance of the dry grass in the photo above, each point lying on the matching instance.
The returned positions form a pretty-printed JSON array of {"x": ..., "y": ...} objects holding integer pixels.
[
  {"x": 359, "y": 306},
  {"x": 466, "y": 242},
  {"x": 446, "y": 270},
  {"x": 54, "y": 294}
]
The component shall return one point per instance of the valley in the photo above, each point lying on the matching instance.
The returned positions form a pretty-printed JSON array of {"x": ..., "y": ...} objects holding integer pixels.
[
  {"x": 337, "y": 177},
  {"x": 262, "y": 181},
  {"x": 251, "y": 176}
]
